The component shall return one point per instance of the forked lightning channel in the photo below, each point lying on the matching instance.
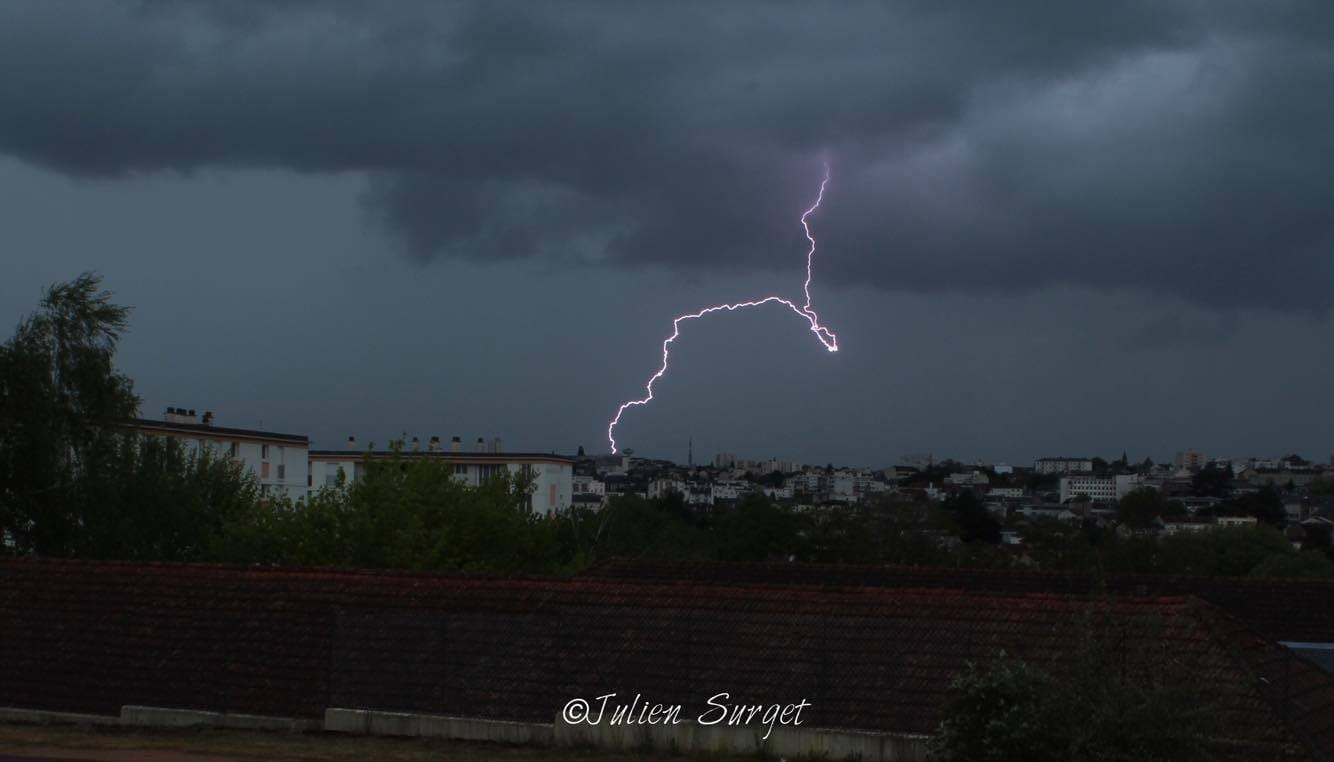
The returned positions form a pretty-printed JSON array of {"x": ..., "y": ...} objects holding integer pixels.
[{"x": 805, "y": 312}]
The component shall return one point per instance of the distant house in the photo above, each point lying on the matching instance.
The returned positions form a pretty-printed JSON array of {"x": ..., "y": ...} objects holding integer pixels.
[
  {"x": 588, "y": 485},
  {"x": 968, "y": 479},
  {"x": 588, "y": 500},
  {"x": 1185, "y": 526}
]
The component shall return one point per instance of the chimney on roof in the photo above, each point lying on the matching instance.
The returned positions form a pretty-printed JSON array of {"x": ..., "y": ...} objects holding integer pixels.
[
  {"x": 208, "y": 418},
  {"x": 434, "y": 445},
  {"x": 481, "y": 445},
  {"x": 351, "y": 443},
  {"x": 495, "y": 445},
  {"x": 455, "y": 444},
  {"x": 179, "y": 415},
  {"x": 416, "y": 444}
]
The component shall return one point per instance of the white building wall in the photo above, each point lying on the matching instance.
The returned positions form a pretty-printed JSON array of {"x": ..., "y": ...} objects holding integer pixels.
[
  {"x": 553, "y": 483},
  {"x": 1063, "y": 465},
  {"x": 554, "y": 486},
  {"x": 279, "y": 469},
  {"x": 1097, "y": 489}
]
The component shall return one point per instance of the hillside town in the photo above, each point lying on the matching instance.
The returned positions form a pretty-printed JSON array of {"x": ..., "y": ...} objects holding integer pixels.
[
  {"x": 1194, "y": 492},
  {"x": 1197, "y": 492}
]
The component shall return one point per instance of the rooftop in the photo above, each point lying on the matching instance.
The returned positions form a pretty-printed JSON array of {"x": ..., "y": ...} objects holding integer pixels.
[
  {"x": 91, "y": 636},
  {"x": 350, "y": 454},
  {"x": 1277, "y": 609},
  {"x": 145, "y": 424}
]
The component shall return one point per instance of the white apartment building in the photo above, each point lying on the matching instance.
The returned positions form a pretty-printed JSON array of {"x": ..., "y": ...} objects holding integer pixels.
[
  {"x": 277, "y": 461},
  {"x": 728, "y": 490},
  {"x": 1098, "y": 489},
  {"x": 553, "y": 475},
  {"x": 660, "y": 488},
  {"x": 1063, "y": 465},
  {"x": 810, "y": 482},
  {"x": 843, "y": 484}
]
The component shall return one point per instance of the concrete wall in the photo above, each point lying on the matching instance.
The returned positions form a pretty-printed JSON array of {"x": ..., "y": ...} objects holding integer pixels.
[
  {"x": 783, "y": 741},
  {"x": 687, "y": 737}
]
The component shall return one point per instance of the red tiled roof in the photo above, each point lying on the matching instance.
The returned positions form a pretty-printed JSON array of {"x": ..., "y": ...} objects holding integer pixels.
[
  {"x": 1278, "y": 609},
  {"x": 90, "y": 637}
]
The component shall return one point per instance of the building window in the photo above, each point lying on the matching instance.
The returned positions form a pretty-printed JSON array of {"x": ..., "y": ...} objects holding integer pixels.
[
  {"x": 551, "y": 495},
  {"x": 234, "y": 449},
  {"x": 264, "y": 451},
  {"x": 282, "y": 471},
  {"x": 460, "y": 469},
  {"x": 331, "y": 474},
  {"x": 263, "y": 470}
]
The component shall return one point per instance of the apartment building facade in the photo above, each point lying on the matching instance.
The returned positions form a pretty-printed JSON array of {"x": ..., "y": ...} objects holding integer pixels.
[{"x": 278, "y": 462}]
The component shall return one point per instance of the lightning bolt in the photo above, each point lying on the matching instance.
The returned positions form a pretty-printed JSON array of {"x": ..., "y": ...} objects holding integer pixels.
[{"x": 805, "y": 312}]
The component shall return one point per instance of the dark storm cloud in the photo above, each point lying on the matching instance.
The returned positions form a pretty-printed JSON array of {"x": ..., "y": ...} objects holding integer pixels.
[{"x": 1176, "y": 146}]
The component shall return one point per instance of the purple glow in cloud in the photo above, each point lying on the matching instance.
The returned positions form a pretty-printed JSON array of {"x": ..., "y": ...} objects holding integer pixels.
[{"x": 824, "y": 335}]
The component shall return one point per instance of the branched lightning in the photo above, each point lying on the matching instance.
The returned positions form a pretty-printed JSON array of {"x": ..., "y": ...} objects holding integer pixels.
[{"x": 823, "y": 334}]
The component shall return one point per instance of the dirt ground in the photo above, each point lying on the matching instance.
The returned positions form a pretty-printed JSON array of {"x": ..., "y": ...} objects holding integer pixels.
[{"x": 46, "y": 743}]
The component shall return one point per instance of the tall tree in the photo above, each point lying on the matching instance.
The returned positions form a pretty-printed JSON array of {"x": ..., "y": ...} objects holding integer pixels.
[
  {"x": 975, "y": 522},
  {"x": 1139, "y": 507},
  {"x": 60, "y": 400}
]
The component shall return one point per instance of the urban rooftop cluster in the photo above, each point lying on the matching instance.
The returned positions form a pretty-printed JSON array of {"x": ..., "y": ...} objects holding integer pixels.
[
  {"x": 1192, "y": 493},
  {"x": 1197, "y": 492}
]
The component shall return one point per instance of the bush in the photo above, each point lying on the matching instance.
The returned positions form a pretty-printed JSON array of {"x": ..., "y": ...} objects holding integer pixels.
[{"x": 1120, "y": 695}]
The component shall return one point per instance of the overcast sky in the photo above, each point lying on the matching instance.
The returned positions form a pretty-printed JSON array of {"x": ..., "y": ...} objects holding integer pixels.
[{"x": 1051, "y": 228}]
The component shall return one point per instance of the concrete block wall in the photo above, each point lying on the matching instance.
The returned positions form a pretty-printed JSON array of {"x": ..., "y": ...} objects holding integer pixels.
[{"x": 687, "y": 737}]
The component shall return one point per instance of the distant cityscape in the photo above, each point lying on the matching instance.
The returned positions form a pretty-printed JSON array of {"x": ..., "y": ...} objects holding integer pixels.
[{"x": 1063, "y": 488}]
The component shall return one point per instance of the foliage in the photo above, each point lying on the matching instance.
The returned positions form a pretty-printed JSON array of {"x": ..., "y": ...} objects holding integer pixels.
[
  {"x": 1309, "y": 564},
  {"x": 633, "y": 527},
  {"x": 976, "y": 523},
  {"x": 1265, "y": 505},
  {"x": 756, "y": 529},
  {"x": 996, "y": 712},
  {"x": 1228, "y": 551},
  {"x": 1212, "y": 481},
  {"x": 1115, "y": 686},
  {"x": 405, "y": 513},
  {"x": 155, "y": 498},
  {"x": 1141, "y": 507},
  {"x": 60, "y": 399},
  {"x": 1317, "y": 535}
]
